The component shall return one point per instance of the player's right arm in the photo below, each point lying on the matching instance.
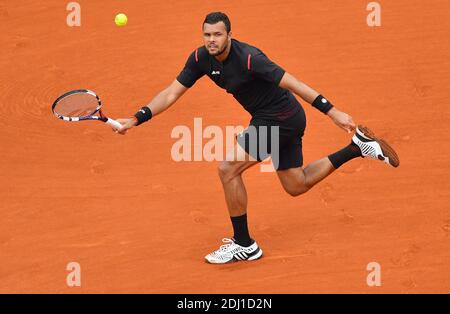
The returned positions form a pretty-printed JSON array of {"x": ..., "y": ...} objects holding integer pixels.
[
  {"x": 167, "y": 97},
  {"x": 159, "y": 103},
  {"x": 185, "y": 80}
]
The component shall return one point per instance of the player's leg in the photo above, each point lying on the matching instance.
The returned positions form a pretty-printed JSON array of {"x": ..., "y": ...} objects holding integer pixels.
[
  {"x": 241, "y": 246},
  {"x": 296, "y": 180},
  {"x": 230, "y": 173}
]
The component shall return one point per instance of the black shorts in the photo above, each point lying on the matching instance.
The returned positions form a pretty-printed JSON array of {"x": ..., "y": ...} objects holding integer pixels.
[{"x": 282, "y": 140}]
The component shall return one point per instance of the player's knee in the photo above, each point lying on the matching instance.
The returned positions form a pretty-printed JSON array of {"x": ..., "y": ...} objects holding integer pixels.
[
  {"x": 296, "y": 190},
  {"x": 226, "y": 171}
]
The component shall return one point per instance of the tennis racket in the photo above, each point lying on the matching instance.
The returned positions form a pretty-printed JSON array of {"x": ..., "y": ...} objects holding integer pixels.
[{"x": 80, "y": 105}]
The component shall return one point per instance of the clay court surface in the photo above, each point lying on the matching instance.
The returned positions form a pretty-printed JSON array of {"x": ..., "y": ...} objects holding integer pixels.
[{"x": 137, "y": 221}]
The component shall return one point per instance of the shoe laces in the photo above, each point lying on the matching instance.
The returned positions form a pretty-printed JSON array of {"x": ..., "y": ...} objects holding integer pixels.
[{"x": 228, "y": 242}]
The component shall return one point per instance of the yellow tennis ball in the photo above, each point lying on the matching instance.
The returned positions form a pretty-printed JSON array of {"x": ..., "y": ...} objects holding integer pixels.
[{"x": 121, "y": 19}]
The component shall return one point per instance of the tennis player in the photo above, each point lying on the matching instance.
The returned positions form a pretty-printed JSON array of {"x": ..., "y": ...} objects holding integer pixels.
[{"x": 266, "y": 91}]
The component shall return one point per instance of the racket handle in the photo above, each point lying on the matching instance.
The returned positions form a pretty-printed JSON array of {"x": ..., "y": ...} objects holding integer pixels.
[{"x": 114, "y": 124}]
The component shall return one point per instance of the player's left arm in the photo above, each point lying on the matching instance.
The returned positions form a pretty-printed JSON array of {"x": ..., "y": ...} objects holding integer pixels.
[{"x": 311, "y": 96}]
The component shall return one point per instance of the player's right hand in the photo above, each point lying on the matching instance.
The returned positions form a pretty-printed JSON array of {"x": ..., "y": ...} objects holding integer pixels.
[{"x": 127, "y": 124}]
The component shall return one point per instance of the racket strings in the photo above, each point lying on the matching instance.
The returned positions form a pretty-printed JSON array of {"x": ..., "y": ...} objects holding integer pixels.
[{"x": 77, "y": 105}]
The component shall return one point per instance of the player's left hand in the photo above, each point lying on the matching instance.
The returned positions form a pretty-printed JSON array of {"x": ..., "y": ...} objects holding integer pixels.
[{"x": 342, "y": 120}]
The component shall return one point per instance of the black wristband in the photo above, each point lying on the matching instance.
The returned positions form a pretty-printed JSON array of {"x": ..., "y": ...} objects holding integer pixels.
[
  {"x": 322, "y": 104},
  {"x": 143, "y": 115}
]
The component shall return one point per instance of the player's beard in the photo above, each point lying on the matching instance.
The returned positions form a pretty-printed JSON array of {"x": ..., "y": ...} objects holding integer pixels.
[{"x": 218, "y": 53}]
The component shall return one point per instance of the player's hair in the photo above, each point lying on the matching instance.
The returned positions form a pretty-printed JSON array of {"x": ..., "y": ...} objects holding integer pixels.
[{"x": 216, "y": 17}]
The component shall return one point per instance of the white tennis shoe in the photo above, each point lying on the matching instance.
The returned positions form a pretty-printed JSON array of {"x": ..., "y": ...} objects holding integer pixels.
[
  {"x": 374, "y": 147},
  {"x": 232, "y": 252}
]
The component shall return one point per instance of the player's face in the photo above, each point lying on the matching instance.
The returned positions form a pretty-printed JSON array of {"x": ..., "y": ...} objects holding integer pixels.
[{"x": 216, "y": 38}]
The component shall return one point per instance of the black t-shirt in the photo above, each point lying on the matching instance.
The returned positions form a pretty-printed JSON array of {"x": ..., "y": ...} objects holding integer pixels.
[{"x": 248, "y": 75}]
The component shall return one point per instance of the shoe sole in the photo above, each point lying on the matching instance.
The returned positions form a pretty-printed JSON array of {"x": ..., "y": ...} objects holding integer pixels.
[
  {"x": 256, "y": 256},
  {"x": 387, "y": 150},
  {"x": 253, "y": 258}
]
